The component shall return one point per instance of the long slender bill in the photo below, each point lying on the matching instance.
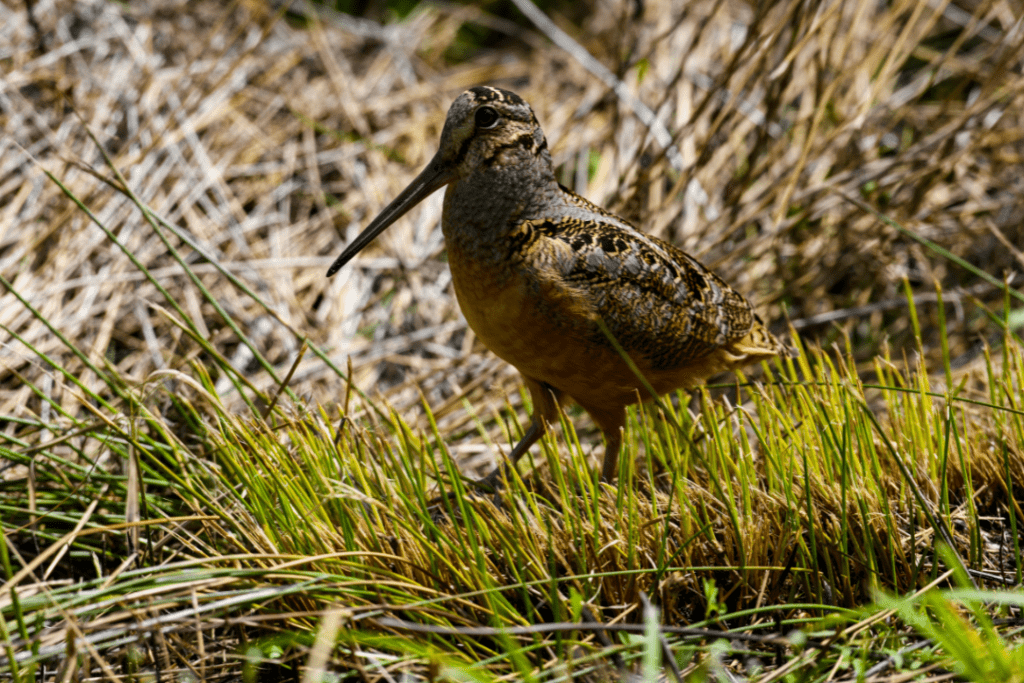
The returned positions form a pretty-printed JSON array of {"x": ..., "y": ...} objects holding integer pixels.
[{"x": 434, "y": 176}]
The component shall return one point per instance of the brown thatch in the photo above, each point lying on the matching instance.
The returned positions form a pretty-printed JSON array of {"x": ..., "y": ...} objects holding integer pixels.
[{"x": 267, "y": 140}]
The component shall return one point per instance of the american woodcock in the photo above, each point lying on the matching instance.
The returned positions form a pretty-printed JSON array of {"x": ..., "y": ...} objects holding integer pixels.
[{"x": 536, "y": 268}]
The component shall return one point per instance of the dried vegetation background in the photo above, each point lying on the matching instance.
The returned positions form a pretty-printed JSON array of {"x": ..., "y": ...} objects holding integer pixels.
[{"x": 267, "y": 138}]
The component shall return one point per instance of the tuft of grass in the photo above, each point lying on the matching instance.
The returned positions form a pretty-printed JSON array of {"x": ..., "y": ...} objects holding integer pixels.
[{"x": 769, "y": 509}]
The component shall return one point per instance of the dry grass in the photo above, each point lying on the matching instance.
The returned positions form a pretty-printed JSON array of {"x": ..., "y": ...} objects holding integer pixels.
[
  {"x": 268, "y": 146},
  {"x": 261, "y": 143}
]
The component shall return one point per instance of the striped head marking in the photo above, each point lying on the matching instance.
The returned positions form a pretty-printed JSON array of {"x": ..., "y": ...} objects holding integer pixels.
[{"x": 488, "y": 127}]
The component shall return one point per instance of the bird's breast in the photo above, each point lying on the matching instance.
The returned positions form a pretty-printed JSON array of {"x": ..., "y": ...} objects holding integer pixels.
[{"x": 520, "y": 310}]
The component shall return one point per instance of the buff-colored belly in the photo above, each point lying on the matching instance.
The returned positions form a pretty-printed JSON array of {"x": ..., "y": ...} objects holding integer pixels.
[
  {"x": 545, "y": 332},
  {"x": 548, "y": 336}
]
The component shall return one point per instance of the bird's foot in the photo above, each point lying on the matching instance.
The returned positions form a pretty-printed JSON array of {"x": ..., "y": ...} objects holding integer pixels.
[{"x": 495, "y": 481}]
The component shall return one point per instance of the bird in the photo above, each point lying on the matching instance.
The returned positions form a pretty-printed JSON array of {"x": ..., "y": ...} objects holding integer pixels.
[{"x": 559, "y": 287}]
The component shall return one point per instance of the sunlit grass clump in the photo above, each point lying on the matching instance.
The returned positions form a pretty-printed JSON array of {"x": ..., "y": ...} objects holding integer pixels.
[{"x": 764, "y": 510}]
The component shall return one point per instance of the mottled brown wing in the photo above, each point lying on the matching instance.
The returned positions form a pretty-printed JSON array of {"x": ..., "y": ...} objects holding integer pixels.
[{"x": 658, "y": 302}]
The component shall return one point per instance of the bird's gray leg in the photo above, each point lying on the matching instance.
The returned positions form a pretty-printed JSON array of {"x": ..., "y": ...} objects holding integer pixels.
[
  {"x": 611, "y": 420},
  {"x": 546, "y": 400}
]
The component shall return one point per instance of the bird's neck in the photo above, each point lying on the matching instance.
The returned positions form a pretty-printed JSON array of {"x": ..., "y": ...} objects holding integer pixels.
[{"x": 482, "y": 207}]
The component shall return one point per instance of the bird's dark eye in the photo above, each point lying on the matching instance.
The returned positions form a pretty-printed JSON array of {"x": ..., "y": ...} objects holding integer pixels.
[{"x": 486, "y": 117}]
